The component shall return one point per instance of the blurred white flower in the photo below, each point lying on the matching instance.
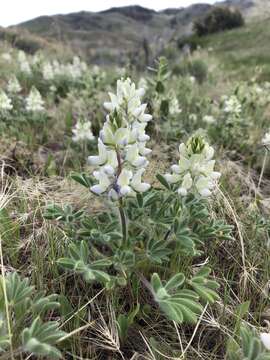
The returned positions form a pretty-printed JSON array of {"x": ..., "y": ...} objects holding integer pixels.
[
  {"x": 82, "y": 131},
  {"x": 13, "y": 85},
  {"x": 174, "y": 107},
  {"x": 34, "y": 101},
  {"x": 5, "y": 102},
  {"x": 21, "y": 56},
  {"x": 265, "y": 338},
  {"x": 266, "y": 139},
  {"x": 47, "y": 71},
  {"x": 192, "y": 117},
  {"x": 143, "y": 83},
  {"x": 25, "y": 67},
  {"x": 194, "y": 172},
  {"x": 232, "y": 106},
  {"x": 209, "y": 119},
  {"x": 7, "y": 57},
  {"x": 52, "y": 88}
]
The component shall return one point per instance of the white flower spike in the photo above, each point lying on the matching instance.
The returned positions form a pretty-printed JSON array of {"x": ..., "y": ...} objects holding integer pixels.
[
  {"x": 194, "y": 172},
  {"x": 122, "y": 144}
]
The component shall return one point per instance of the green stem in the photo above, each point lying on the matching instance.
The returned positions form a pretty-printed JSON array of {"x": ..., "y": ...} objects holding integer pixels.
[
  {"x": 123, "y": 223},
  {"x": 263, "y": 168}
]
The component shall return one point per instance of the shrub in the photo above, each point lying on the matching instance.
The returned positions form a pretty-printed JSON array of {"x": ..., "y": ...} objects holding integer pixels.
[
  {"x": 218, "y": 19},
  {"x": 196, "y": 68}
]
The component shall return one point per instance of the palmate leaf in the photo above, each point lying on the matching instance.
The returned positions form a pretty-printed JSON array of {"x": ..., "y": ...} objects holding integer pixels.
[
  {"x": 41, "y": 338},
  {"x": 157, "y": 251},
  {"x": 18, "y": 291},
  {"x": 204, "y": 287},
  {"x": 66, "y": 214},
  {"x": 78, "y": 261},
  {"x": 179, "y": 305},
  {"x": 124, "y": 260},
  {"x": 252, "y": 347},
  {"x": 41, "y": 303}
]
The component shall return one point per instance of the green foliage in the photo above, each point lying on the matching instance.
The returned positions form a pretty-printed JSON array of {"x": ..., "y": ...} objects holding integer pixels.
[
  {"x": 40, "y": 338},
  {"x": 66, "y": 214},
  {"x": 218, "y": 19},
  {"x": 204, "y": 287},
  {"x": 250, "y": 348},
  {"x": 179, "y": 304},
  {"x": 25, "y": 306},
  {"x": 125, "y": 321},
  {"x": 78, "y": 259},
  {"x": 198, "y": 68}
]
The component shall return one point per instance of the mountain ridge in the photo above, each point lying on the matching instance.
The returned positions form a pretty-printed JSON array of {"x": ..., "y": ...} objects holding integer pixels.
[{"x": 121, "y": 32}]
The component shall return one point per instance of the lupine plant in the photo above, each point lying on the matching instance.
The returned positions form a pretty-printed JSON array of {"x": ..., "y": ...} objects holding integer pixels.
[
  {"x": 155, "y": 230},
  {"x": 21, "y": 304}
]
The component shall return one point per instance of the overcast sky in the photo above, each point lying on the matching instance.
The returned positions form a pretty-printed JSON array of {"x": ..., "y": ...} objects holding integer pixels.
[{"x": 15, "y": 11}]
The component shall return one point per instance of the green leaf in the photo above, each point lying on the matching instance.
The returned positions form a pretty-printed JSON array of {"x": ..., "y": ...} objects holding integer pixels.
[
  {"x": 179, "y": 305},
  {"x": 41, "y": 338},
  {"x": 157, "y": 251},
  {"x": 163, "y": 181},
  {"x": 79, "y": 262},
  {"x": 204, "y": 287},
  {"x": 82, "y": 179}
]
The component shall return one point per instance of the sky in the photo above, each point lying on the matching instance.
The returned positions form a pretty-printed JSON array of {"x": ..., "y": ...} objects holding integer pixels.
[{"x": 16, "y": 11}]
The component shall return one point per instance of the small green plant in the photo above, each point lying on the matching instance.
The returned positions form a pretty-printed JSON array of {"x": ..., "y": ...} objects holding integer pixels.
[
  {"x": 20, "y": 305},
  {"x": 251, "y": 346}
]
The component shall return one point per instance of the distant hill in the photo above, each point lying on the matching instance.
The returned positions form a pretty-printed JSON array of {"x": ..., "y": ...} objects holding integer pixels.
[
  {"x": 126, "y": 32},
  {"x": 116, "y": 33}
]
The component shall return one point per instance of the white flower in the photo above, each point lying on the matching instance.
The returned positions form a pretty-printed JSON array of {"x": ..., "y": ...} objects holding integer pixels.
[
  {"x": 192, "y": 117},
  {"x": 266, "y": 139},
  {"x": 34, "y": 102},
  {"x": 104, "y": 182},
  {"x": 143, "y": 83},
  {"x": 105, "y": 156},
  {"x": 7, "y": 57},
  {"x": 232, "y": 106},
  {"x": 13, "y": 85},
  {"x": 82, "y": 131},
  {"x": 127, "y": 101},
  {"x": 209, "y": 119},
  {"x": 122, "y": 143},
  {"x": 47, "y": 71},
  {"x": 174, "y": 106},
  {"x": 186, "y": 185},
  {"x": 5, "y": 102},
  {"x": 37, "y": 59},
  {"x": 137, "y": 183},
  {"x": 195, "y": 170},
  {"x": 25, "y": 68},
  {"x": 52, "y": 88},
  {"x": 123, "y": 182},
  {"x": 265, "y": 338},
  {"x": 133, "y": 157},
  {"x": 21, "y": 56}
]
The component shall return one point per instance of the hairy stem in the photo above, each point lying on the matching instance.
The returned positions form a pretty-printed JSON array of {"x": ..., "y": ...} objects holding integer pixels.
[{"x": 123, "y": 223}]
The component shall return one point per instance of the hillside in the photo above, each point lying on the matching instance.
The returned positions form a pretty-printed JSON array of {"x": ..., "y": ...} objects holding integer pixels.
[
  {"x": 116, "y": 33},
  {"x": 132, "y": 32},
  {"x": 243, "y": 51}
]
